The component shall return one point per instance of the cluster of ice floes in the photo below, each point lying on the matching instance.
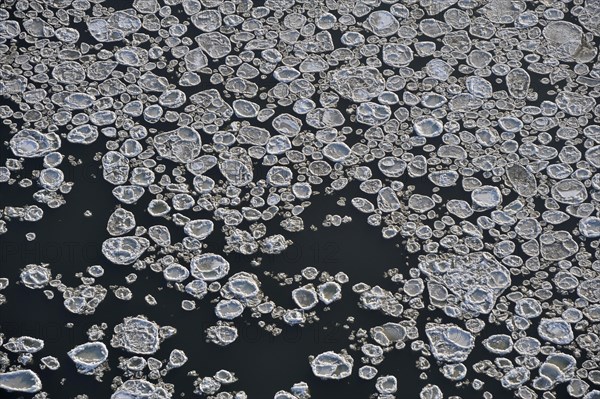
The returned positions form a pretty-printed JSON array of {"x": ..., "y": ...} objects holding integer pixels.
[{"x": 466, "y": 132}]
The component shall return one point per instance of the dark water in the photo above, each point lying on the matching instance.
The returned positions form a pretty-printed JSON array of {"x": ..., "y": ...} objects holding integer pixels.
[{"x": 264, "y": 364}]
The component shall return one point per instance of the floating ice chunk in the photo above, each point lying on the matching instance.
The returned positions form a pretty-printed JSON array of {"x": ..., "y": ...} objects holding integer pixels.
[
  {"x": 388, "y": 334},
  {"x": 207, "y": 20},
  {"x": 332, "y": 365},
  {"x": 439, "y": 69},
  {"x": 244, "y": 287},
  {"x": 128, "y": 194},
  {"x": 89, "y": 356},
  {"x": 115, "y": 167},
  {"x": 236, "y": 172},
  {"x": 373, "y": 114},
  {"x": 397, "y": 55},
  {"x": 321, "y": 118},
  {"x": 160, "y": 235},
  {"x": 279, "y": 176},
  {"x": 479, "y": 87},
  {"x": 449, "y": 343},
  {"x": 207, "y": 386},
  {"x": 200, "y": 228},
  {"x": 20, "y": 381},
  {"x": 590, "y": 290},
  {"x": 305, "y": 297},
  {"x": 556, "y": 330},
  {"x": 430, "y": 391},
  {"x": 50, "y": 362},
  {"x": 564, "y": 36},
  {"x": 137, "y": 335},
  {"x": 382, "y": 23},
  {"x": 68, "y": 72},
  {"x": 592, "y": 155},
  {"x": 172, "y": 99},
  {"x": 574, "y": 103},
  {"x": 120, "y": 222},
  {"x": 420, "y": 203},
  {"x": 132, "y": 56},
  {"x": 29, "y": 143},
  {"x": 35, "y": 276},
  {"x": 473, "y": 281},
  {"x": 197, "y": 288},
  {"x": 78, "y": 101},
  {"x": 83, "y": 299},
  {"x": 177, "y": 358},
  {"x": 176, "y": 272},
  {"x": 253, "y": 135},
  {"x": 180, "y": 145},
  {"x": 367, "y": 372},
  {"x": 386, "y": 385},
  {"x": 517, "y": 82},
  {"x": 569, "y": 191},
  {"x": 195, "y": 60},
  {"x": 229, "y": 309},
  {"x": 287, "y": 125},
  {"x": 444, "y": 178},
  {"x": 9, "y": 29},
  {"x": 245, "y": 109},
  {"x": 528, "y": 308},
  {"x": 101, "y": 70},
  {"x": 428, "y": 127},
  {"x": 146, "y": 6},
  {"x": 515, "y": 377},
  {"x": 215, "y": 44},
  {"x": 274, "y": 244},
  {"x": 124, "y": 250},
  {"x": 158, "y": 207},
  {"x": 557, "y": 245},
  {"x": 24, "y": 344},
  {"x": 392, "y": 166},
  {"x": 336, "y": 151},
  {"x": 500, "y": 344},
  {"x": 358, "y": 84},
  {"x": 140, "y": 389},
  {"x": 222, "y": 334},
  {"x": 486, "y": 197},
  {"x": 278, "y": 144},
  {"x": 209, "y": 267},
  {"x": 522, "y": 180},
  {"x": 329, "y": 292},
  {"x": 459, "y": 208},
  {"x": 294, "y": 317},
  {"x": 454, "y": 372}
]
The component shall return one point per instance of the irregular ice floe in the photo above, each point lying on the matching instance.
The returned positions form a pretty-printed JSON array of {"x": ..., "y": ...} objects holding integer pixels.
[
  {"x": 209, "y": 267},
  {"x": 89, "y": 356},
  {"x": 124, "y": 250},
  {"x": 449, "y": 343},
  {"x": 332, "y": 365},
  {"x": 555, "y": 330},
  {"x": 222, "y": 334},
  {"x": 35, "y": 276},
  {"x": 24, "y": 344},
  {"x": 137, "y": 335},
  {"x": 29, "y": 143},
  {"x": 140, "y": 389},
  {"x": 465, "y": 285},
  {"x": 25, "y": 381}
]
